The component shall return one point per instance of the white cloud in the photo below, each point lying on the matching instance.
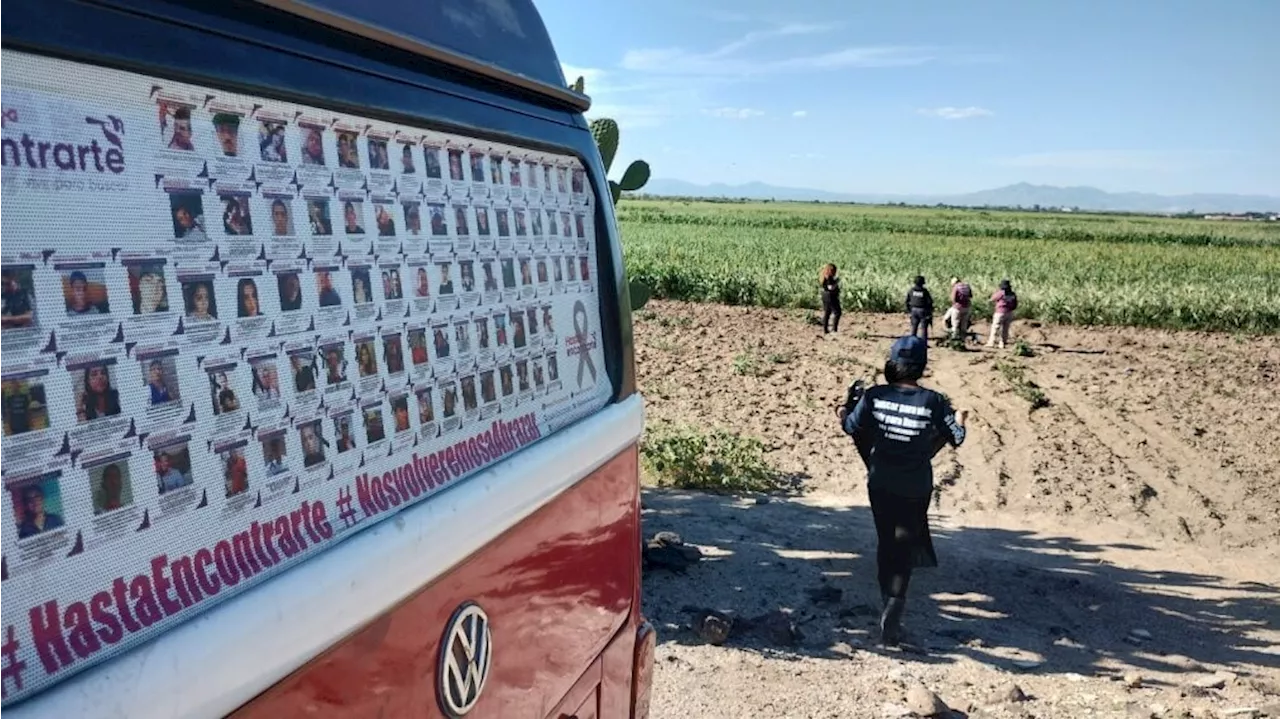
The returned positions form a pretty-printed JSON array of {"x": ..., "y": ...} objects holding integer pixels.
[
  {"x": 800, "y": 113},
  {"x": 719, "y": 63},
  {"x": 956, "y": 113},
  {"x": 591, "y": 75},
  {"x": 1146, "y": 160},
  {"x": 734, "y": 113}
]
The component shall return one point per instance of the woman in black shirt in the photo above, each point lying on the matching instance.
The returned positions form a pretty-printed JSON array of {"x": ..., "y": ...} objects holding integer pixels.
[{"x": 830, "y": 285}]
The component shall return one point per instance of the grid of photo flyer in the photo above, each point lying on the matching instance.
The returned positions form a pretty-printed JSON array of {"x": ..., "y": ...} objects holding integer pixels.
[{"x": 217, "y": 308}]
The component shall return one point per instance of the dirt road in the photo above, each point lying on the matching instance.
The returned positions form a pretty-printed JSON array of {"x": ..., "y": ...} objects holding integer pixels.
[{"x": 1107, "y": 553}]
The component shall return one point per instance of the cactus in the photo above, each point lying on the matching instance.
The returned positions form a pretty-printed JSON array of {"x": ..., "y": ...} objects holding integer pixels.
[
  {"x": 605, "y": 131},
  {"x": 579, "y": 86}
]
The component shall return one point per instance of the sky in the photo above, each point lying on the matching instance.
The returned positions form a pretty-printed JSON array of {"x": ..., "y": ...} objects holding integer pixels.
[{"x": 921, "y": 97}]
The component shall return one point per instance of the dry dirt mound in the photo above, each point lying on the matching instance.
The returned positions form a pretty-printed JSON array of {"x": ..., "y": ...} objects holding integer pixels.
[{"x": 1107, "y": 553}]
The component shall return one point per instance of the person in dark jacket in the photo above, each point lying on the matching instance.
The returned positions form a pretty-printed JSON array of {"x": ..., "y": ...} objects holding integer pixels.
[
  {"x": 829, "y": 282},
  {"x": 920, "y": 307},
  {"x": 898, "y": 427}
]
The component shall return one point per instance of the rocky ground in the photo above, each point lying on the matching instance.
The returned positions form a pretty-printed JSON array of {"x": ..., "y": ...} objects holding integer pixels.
[{"x": 1115, "y": 553}]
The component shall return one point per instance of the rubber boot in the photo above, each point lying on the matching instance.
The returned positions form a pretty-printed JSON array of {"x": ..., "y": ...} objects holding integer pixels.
[{"x": 891, "y": 621}]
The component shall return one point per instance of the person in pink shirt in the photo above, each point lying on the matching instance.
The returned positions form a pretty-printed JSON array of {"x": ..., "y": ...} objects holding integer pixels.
[
  {"x": 957, "y": 317},
  {"x": 1005, "y": 302}
]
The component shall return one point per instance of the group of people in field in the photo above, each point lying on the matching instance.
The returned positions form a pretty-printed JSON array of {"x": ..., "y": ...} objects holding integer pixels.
[
  {"x": 920, "y": 308},
  {"x": 899, "y": 426}
]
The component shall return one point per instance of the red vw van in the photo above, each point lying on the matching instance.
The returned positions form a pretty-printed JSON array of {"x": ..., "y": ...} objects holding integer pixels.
[{"x": 318, "y": 390}]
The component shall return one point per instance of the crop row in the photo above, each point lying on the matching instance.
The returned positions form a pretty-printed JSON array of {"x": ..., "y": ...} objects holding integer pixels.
[{"x": 1177, "y": 286}]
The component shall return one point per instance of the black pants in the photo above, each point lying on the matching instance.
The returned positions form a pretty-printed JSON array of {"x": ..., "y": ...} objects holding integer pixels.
[
  {"x": 902, "y": 532},
  {"x": 830, "y": 310},
  {"x": 920, "y": 321}
]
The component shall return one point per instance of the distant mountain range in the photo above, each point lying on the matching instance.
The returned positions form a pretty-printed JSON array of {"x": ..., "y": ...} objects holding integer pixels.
[{"x": 1019, "y": 195}]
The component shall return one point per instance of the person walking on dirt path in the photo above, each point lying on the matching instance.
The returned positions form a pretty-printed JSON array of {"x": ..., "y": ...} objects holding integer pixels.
[
  {"x": 830, "y": 285},
  {"x": 898, "y": 427},
  {"x": 920, "y": 307},
  {"x": 1005, "y": 302},
  {"x": 959, "y": 313}
]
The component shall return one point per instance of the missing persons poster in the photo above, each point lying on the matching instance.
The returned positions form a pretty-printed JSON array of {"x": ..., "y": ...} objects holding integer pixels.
[{"x": 237, "y": 330}]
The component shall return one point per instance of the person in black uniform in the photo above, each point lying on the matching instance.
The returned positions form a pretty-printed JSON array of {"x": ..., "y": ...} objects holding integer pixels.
[
  {"x": 920, "y": 307},
  {"x": 898, "y": 427}
]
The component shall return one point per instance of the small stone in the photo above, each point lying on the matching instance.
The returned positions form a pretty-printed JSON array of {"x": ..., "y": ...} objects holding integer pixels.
[
  {"x": 1140, "y": 634},
  {"x": 762, "y": 499},
  {"x": 776, "y": 628},
  {"x": 924, "y": 702},
  {"x": 1217, "y": 680},
  {"x": 1246, "y": 712},
  {"x": 1133, "y": 680},
  {"x": 1007, "y": 693}
]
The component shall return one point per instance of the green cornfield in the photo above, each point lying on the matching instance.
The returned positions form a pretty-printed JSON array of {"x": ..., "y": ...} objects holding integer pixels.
[{"x": 1067, "y": 268}]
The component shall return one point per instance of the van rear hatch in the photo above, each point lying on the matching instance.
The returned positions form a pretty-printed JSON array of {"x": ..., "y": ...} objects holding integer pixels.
[{"x": 267, "y": 284}]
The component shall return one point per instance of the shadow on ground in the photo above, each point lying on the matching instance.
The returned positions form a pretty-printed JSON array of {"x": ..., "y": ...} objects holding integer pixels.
[{"x": 999, "y": 597}]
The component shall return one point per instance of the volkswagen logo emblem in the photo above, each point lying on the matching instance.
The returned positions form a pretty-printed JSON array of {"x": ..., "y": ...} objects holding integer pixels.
[{"x": 465, "y": 654}]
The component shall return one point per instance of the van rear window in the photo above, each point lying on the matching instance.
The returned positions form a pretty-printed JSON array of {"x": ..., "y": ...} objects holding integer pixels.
[{"x": 238, "y": 330}]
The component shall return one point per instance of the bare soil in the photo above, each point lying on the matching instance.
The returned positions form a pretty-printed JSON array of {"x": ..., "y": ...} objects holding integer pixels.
[{"x": 1107, "y": 552}]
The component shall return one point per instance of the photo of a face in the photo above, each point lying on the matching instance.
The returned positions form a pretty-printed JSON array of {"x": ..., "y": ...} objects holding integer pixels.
[
  {"x": 477, "y": 167},
  {"x": 373, "y": 428},
  {"x": 469, "y": 401},
  {"x": 342, "y": 431},
  {"x": 543, "y": 277},
  {"x": 504, "y": 223},
  {"x": 312, "y": 146},
  {"x": 482, "y": 333},
  {"x": 462, "y": 337},
  {"x": 426, "y": 407},
  {"x": 490, "y": 279},
  {"x": 160, "y": 377},
  {"x": 518, "y": 339},
  {"x": 552, "y": 230},
  {"x": 271, "y": 141},
  {"x": 508, "y": 273},
  {"x": 366, "y": 358},
  {"x": 318, "y": 217},
  {"x": 147, "y": 288},
  {"x": 173, "y": 468},
  {"x": 450, "y": 401},
  {"x": 488, "y": 392},
  {"x": 353, "y": 217},
  {"x": 348, "y": 150},
  {"x": 515, "y": 173},
  {"x": 37, "y": 506},
  {"x": 221, "y": 394},
  {"x": 289, "y": 285},
  {"x": 500, "y": 329},
  {"x": 531, "y": 320},
  {"x": 553, "y": 368},
  {"x": 361, "y": 292},
  {"x": 247, "y": 303},
  {"x": 531, "y": 174},
  {"x": 418, "y": 352},
  {"x": 187, "y": 213},
  {"x": 446, "y": 277},
  {"x": 467, "y": 269},
  {"x": 393, "y": 351},
  {"x": 175, "y": 124},
  {"x": 328, "y": 296},
  {"x": 281, "y": 218},
  {"x": 25, "y": 407},
  {"x": 335, "y": 365},
  {"x": 400, "y": 413},
  {"x": 84, "y": 292},
  {"x": 406, "y": 159},
  {"x": 526, "y": 272},
  {"x": 495, "y": 169},
  {"x": 274, "y": 455},
  {"x": 235, "y": 215},
  {"x": 304, "y": 372},
  {"x": 198, "y": 300},
  {"x": 378, "y": 159},
  {"x": 110, "y": 487},
  {"x": 440, "y": 336},
  {"x": 422, "y": 283},
  {"x": 226, "y": 127},
  {"x": 438, "y": 225},
  {"x": 413, "y": 218},
  {"x": 460, "y": 220},
  {"x": 392, "y": 288},
  {"x": 482, "y": 221},
  {"x": 560, "y": 179},
  {"x": 19, "y": 310},
  {"x": 95, "y": 390},
  {"x": 235, "y": 472},
  {"x": 266, "y": 380},
  {"x": 431, "y": 157},
  {"x": 455, "y": 166},
  {"x": 311, "y": 437},
  {"x": 522, "y": 228},
  {"x": 385, "y": 222},
  {"x": 557, "y": 274},
  {"x": 536, "y": 217},
  {"x": 505, "y": 379},
  {"x": 579, "y": 222},
  {"x": 522, "y": 375}
]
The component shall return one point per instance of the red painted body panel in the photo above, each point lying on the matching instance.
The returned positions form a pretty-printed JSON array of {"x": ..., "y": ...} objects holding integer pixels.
[{"x": 560, "y": 589}]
